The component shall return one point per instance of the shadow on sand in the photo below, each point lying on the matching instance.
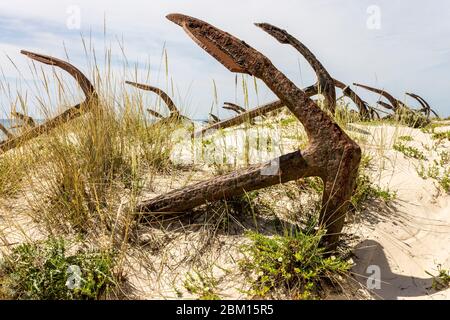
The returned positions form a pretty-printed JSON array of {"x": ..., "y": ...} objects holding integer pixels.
[{"x": 392, "y": 286}]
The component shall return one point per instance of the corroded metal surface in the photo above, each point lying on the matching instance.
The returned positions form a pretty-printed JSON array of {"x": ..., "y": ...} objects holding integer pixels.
[
  {"x": 360, "y": 103},
  {"x": 386, "y": 105},
  {"x": 164, "y": 96},
  {"x": 234, "y": 107},
  {"x": 426, "y": 108},
  {"x": 397, "y": 104},
  {"x": 325, "y": 83},
  {"x": 71, "y": 113},
  {"x": 7, "y": 133}
]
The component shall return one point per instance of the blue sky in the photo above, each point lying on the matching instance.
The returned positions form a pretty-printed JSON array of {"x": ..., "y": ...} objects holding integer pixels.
[{"x": 409, "y": 52}]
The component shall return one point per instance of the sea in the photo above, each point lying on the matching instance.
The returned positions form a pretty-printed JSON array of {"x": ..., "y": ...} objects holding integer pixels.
[{"x": 9, "y": 123}]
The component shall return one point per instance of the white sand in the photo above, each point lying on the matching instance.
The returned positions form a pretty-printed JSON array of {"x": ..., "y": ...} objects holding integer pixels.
[
  {"x": 412, "y": 235},
  {"x": 404, "y": 239}
]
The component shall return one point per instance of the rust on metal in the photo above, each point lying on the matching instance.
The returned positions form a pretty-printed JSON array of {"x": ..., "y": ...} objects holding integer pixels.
[
  {"x": 29, "y": 121},
  {"x": 71, "y": 113},
  {"x": 164, "y": 96},
  {"x": 386, "y": 105},
  {"x": 213, "y": 118},
  {"x": 426, "y": 108},
  {"x": 7, "y": 133},
  {"x": 241, "y": 118},
  {"x": 331, "y": 154},
  {"x": 155, "y": 114},
  {"x": 174, "y": 111},
  {"x": 360, "y": 103},
  {"x": 325, "y": 83}
]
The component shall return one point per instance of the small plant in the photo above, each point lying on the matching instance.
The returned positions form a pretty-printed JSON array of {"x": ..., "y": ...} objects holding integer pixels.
[
  {"x": 410, "y": 152},
  {"x": 365, "y": 189},
  {"x": 433, "y": 171},
  {"x": 441, "y": 135},
  {"x": 421, "y": 171},
  {"x": 442, "y": 280},
  {"x": 294, "y": 262},
  {"x": 444, "y": 181},
  {"x": 201, "y": 285},
  {"x": 285, "y": 122},
  {"x": 444, "y": 158},
  {"x": 44, "y": 270},
  {"x": 430, "y": 128},
  {"x": 406, "y": 138}
]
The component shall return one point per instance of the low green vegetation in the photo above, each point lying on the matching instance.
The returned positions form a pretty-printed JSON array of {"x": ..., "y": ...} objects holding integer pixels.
[
  {"x": 438, "y": 171},
  {"x": 294, "y": 264},
  {"x": 444, "y": 181},
  {"x": 365, "y": 189},
  {"x": 313, "y": 183},
  {"x": 431, "y": 127},
  {"x": 441, "y": 135},
  {"x": 410, "y": 152},
  {"x": 45, "y": 270},
  {"x": 433, "y": 171},
  {"x": 285, "y": 122},
  {"x": 203, "y": 286},
  {"x": 421, "y": 171},
  {"x": 406, "y": 138}
]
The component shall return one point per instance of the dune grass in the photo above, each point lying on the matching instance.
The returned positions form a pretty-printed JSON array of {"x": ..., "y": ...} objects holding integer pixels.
[
  {"x": 45, "y": 270},
  {"x": 68, "y": 198}
]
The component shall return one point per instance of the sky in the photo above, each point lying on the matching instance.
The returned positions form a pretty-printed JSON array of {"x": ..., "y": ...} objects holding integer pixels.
[{"x": 401, "y": 46}]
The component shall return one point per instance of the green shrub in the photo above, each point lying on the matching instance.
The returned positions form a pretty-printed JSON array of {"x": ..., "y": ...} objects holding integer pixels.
[
  {"x": 44, "y": 270},
  {"x": 285, "y": 122},
  {"x": 444, "y": 181},
  {"x": 293, "y": 262},
  {"x": 202, "y": 285},
  {"x": 410, "y": 152},
  {"x": 406, "y": 138},
  {"x": 442, "y": 280},
  {"x": 444, "y": 158},
  {"x": 365, "y": 189}
]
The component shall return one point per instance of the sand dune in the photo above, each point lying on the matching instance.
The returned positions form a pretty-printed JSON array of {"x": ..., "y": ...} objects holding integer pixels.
[{"x": 411, "y": 236}]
